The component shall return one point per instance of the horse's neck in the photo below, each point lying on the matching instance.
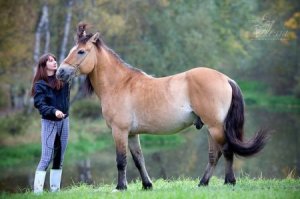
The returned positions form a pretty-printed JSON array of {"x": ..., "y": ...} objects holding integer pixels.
[{"x": 108, "y": 74}]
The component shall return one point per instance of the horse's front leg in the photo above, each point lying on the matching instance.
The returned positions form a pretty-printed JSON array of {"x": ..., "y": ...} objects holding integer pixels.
[
  {"x": 137, "y": 155},
  {"x": 121, "y": 142}
]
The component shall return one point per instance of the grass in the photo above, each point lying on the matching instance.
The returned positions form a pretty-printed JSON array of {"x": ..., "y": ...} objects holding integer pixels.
[{"x": 180, "y": 188}]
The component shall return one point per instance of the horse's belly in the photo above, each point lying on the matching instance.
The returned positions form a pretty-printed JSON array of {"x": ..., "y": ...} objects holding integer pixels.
[{"x": 166, "y": 123}]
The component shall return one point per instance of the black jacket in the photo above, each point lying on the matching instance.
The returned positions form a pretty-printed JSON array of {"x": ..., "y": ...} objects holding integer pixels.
[{"x": 47, "y": 100}]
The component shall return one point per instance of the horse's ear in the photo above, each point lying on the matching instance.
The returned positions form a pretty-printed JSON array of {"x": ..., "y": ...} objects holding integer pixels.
[{"x": 95, "y": 37}]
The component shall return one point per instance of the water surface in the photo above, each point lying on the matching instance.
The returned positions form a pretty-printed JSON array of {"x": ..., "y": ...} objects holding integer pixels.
[{"x": 187, "y": 158}]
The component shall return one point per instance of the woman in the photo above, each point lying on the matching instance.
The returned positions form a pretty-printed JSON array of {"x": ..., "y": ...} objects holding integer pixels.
[{"x": 51, "y": 98}]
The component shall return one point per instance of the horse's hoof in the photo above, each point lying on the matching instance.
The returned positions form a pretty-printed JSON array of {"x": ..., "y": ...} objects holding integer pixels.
[
  {"x": 121, "y": 188},
  {"x": 203, "y": 183},
  {"x": 229, "y": 181},
  {"x": 147, "y": 186}
]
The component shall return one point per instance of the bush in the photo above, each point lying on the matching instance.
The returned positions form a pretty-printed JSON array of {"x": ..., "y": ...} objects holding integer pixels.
[
  {"x": 14, "y": 124},
  {"x": 86, "y": 109}
]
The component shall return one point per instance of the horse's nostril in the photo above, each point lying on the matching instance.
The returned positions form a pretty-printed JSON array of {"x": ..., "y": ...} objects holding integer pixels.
[{"x": 62, "y": 71}]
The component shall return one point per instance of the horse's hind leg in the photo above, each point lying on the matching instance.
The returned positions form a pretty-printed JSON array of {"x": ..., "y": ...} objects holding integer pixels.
[
  {"x": 214, "y": 154},
  {"x": 137, "y": 155},
  {"x": 217, "y": 144},
  {"x": 229, "y": 174}
]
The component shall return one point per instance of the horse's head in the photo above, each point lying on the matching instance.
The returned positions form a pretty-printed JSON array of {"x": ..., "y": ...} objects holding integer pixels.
[{"x": 82, "y": 57}]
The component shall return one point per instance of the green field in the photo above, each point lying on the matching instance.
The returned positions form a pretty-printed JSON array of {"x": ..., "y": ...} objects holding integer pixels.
[{"x": 181, "y": 188}]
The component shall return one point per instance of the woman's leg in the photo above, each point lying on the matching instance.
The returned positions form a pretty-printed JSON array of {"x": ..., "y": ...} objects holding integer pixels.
[
  {"x": 57, "y": 152},
  {"x": 60, "y": 145},
  {"x": 48, "y": 132}
]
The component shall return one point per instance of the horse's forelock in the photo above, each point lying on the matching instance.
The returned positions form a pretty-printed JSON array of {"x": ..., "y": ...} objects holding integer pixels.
[
  {"x": 81, "y": 30},
  {"x": 84, "y": 39},
  {"x": 83, "y": 36}
]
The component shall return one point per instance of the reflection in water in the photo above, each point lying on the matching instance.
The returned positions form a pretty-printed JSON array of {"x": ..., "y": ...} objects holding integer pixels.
[
  {"x": 281, "y": 155},
  {"x": 156, "y": 157},
  {"x": 84, "y": 171},
  {"x": 279, "y": 159}
]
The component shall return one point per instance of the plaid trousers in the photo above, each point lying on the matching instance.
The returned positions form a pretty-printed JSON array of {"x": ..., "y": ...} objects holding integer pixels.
[{"x": 54, "y": 137}]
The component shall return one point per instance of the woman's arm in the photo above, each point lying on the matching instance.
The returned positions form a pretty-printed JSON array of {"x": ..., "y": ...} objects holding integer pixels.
[{"x": 40, "y": 101}]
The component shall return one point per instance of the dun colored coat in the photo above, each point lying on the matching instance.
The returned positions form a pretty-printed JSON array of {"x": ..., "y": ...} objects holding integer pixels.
[{"x": 135, "y": 103}]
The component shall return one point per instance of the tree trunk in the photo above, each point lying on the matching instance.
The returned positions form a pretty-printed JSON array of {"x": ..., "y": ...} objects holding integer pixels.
[
  {"x": 43, "y": 27},
  {"x": 66, "y": 32}
]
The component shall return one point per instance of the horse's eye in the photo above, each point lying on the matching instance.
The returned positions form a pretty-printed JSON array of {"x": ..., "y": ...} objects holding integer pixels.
[{"x": 80, "y": 52}]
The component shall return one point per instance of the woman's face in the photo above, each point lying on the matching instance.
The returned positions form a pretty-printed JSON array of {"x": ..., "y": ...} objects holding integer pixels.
[{"x": 51, "y": 64}]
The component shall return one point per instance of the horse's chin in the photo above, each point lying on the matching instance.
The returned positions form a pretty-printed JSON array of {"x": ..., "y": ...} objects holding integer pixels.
[
  {"x": 65, "y": 78},
  {"x": 65, "y": 73}
]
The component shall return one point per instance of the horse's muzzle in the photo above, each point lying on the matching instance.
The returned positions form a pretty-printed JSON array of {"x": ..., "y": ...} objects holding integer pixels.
[{"x": 65, "y": 73}]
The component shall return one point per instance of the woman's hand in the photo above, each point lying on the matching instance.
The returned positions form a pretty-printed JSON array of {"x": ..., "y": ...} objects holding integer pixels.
[{"x": 59, "y": 114}]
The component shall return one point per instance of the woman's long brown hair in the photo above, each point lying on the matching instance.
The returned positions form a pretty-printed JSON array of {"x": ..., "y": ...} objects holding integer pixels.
[{"x": 41, "y": 74}]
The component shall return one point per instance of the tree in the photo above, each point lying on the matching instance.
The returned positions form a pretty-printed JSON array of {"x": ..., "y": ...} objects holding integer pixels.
[
  {"x": 15, "y": 49},
  {"x": 66, "y": 31},
  {"x": 293, "y": 24}
]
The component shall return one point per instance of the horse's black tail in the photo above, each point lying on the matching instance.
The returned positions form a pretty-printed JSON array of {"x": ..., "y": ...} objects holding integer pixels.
[{"x": 234, "y": 127}]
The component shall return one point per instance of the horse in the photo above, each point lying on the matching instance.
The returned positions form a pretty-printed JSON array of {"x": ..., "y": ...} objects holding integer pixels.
[{"x": 135, "y": 103}]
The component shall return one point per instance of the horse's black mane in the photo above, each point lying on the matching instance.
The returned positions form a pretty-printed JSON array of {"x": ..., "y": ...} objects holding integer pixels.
[{"x": 87, "y": 86}]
